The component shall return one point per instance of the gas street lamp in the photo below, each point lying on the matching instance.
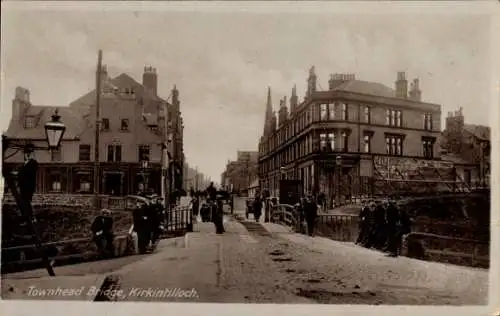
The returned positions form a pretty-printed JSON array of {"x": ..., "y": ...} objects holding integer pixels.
[{"x": 54, "y": 132}]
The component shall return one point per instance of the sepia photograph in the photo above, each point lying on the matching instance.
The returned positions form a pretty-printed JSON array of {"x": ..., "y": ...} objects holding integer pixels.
[{"x": 314, "y": 154}]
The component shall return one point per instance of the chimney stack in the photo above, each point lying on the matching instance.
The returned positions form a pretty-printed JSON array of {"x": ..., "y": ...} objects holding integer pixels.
[
  {"x": 150, "y": 80},
  {"x": 401, "y": 86},
  {"x": 339, "y": 78},
  {"x": 415, "y": 93}
]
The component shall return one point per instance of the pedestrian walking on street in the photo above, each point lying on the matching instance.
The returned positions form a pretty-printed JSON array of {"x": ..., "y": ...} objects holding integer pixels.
[
  {"x": 211, "y": 192},
  {"x": 257, "y": 208},
  {"x": 311, "y": 213},
  {"x": 218, "y": 215}
]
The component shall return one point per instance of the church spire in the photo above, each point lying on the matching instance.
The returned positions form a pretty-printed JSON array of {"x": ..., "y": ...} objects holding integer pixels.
[
  {"x": 311, "y": 82},
  {"x": 269, "y": 112},
  {"x": 293, "y": 99}
]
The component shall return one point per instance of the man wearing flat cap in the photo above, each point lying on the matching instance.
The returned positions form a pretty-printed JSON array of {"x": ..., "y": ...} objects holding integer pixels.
[{"x": 27, "y": 174}]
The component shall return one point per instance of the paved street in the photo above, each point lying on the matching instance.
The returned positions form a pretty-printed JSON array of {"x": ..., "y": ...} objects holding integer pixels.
[{"x": 267, "y": 264}]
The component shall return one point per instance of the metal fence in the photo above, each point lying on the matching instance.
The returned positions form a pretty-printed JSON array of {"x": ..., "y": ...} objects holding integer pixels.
[{"x": 286, "y": 215}]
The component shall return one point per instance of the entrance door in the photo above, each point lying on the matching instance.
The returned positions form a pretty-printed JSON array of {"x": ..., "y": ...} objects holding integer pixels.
[
  {"x": 113, "y": 184},
  {"x": 467, "y": 176}
]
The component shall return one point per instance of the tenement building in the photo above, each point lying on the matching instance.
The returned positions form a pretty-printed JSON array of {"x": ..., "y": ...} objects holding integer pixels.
[
  {"x": 337, "y": 141},
  {"x": 135, "y": 124}
]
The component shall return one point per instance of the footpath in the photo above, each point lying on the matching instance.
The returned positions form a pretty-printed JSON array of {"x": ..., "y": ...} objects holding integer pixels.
[
  {"x": 242, "y": 266},
  {"x": 188, "y": 273},
  {"x": 398, "y": 279}
]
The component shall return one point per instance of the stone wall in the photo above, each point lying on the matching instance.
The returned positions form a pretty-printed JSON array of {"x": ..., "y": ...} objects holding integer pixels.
[
  {"x": 80, "y": 200},
  {"x": 84, "y": 201}
]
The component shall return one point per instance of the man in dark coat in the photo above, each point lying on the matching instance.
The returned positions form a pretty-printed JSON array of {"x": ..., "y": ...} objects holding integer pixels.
[
  {"x": 211, "y": 192},
  {"x": 257, "y": 208},
  {"x": 392, "y": 217},
  {"x": 142, "y": 226},
  {"x": 311, "y": 213},
  {"x": 363, "y": 227},
  {"x": 218, "y": 215},
  {"x": 370, "y": 223},
  {"x": 155, "y": 218},
  {"x": 102, "y": 229},
  {"x": 380, "y": 236},
  {"x": 27, "y": 175}
]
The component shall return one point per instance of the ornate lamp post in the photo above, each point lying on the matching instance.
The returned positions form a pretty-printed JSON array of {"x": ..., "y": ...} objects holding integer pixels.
[{"x": 23, "y": 191}]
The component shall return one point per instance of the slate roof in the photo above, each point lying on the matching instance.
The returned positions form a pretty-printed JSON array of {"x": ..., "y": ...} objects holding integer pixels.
[
  {"x": 366, "y": 87},
  {"x": 480, "y": 131},
  {"x": 123, "y": 80},
  {"x": 42, "y": 115},
  {"x": 75, "y": 117}
]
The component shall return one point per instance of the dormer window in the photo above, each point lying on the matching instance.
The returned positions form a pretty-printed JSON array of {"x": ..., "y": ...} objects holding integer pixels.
[{"x": 29, "y": 122}]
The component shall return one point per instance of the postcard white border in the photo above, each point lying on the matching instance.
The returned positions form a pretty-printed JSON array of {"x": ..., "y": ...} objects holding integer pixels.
[{"x": 489, "y": 8}]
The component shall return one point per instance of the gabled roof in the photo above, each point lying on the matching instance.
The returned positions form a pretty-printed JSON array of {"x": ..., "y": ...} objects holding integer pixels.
[
  {"x": 43, "y": 114},
  {"x": 121, "y": 81},
  {"x": 366, "y": 87},
  {"x": 480, "y": 131}
]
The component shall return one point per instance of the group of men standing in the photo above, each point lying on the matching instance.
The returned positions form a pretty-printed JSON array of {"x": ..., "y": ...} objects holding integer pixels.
[
  {"x": 308, "y": 212},
  {"x": 382, "y": 226},
  {"x": 212, "y": 210},
  {"x": 149, "y": 218}
]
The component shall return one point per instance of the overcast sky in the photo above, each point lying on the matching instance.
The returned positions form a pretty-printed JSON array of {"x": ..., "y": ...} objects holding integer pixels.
[{"x": 222, "y": 62}]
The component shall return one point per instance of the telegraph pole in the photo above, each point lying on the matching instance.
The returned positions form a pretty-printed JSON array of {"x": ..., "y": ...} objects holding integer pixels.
[{"x": 97, "y": 128}]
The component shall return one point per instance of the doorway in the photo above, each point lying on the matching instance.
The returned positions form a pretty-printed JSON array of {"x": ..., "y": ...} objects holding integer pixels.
[{"x": 113, "y": 184}]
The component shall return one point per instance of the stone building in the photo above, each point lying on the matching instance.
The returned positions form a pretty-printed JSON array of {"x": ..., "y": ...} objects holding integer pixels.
[
  {"x": 335, "y": 141},
  {"x": 239, "y": 174},
  {"x": 135, "y": 124},
  {"x": 469, "y": 146}
]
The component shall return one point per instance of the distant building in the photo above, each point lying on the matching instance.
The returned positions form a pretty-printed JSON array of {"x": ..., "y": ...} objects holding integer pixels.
[
  {"x": 193, "y": 179},
  {"x": 336, "y": 141},
  {"x": 135, "y": 123},
  {"x": 239, "y": 174},
  {"x": 253, "y": 188},
  {"x": 469, "y": 146}
]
